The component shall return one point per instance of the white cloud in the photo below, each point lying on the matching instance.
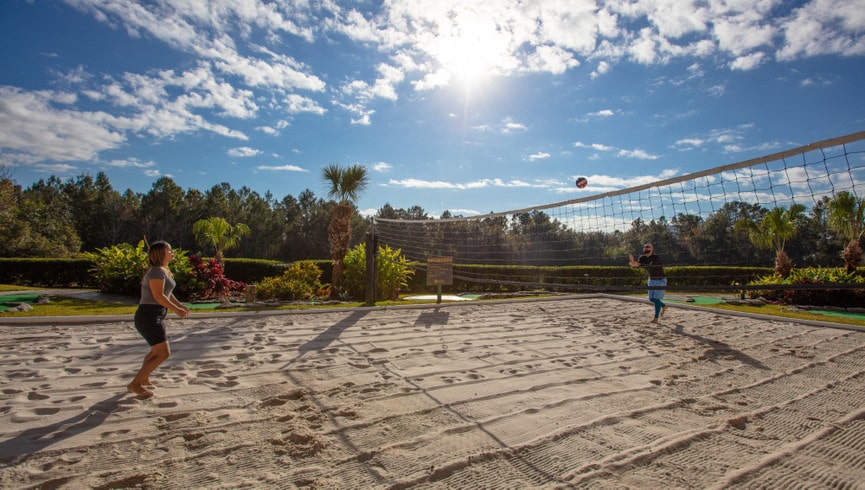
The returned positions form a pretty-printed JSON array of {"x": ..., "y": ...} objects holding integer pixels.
[
  {"x": 32, "y": 129},
  {"x": 748, "y": 62},
  {"x": 542, "y": 155},
  {"x": 729, "y": 139},
  {"x": 637, "y": 153},
  {"x": 602, "y": 113},
  {"x": 130, "y": 163},
  {"x": 594, "y": 146},
  {"x": 824, "y": 27},
  {"x": 381, "y": 167},
  {"x": 439, "y": 184},
  {"x": 511, "y": 126},
  {"x": 464, "y": 212},
  {"x": 295, "y": 103},
  {"x": 244, "y": 53},
  {"x": 602, "y": 69},
  {"x": 282, "y": 168},
  {"x": 243, "y": 152}
]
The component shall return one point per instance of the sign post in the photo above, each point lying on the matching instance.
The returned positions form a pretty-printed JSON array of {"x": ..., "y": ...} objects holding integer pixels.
[{"x": 439, "y": 272}]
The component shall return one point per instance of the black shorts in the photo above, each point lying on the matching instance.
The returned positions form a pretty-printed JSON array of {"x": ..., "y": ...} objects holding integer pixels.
[{"x": 148, "y": 322}]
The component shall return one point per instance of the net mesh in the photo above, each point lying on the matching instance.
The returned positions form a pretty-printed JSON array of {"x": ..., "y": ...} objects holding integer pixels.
[{"x": 691, "y": 219}]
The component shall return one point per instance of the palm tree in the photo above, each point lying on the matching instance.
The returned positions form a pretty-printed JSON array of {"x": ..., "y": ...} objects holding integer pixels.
[
  {"x": 345, "y": 185},
  {"x": 772, "y": 232},
  {"x": 217, "y": 233},
  {"x": 847, "y": 218}
]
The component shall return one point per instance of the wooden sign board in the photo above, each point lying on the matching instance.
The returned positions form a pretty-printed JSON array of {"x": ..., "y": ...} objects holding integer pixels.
[{"x": 440, "y": 271}]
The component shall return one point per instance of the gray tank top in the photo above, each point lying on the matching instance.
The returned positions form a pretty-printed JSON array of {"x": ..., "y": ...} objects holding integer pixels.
[{"x": 155, "y": 273}]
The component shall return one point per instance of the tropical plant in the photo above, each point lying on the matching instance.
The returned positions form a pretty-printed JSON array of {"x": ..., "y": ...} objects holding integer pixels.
[
  {"x": 219, "y": 234},
  {"x": 392, "y": 272},
  {"x": 210, "y": 278},
  {"x": 345, "y": 185},
  {"x": 118, "y": 269},
  {"x": 806, "y": 288},
  {"x": 772, "y": 232},
  {"x": 300, "y": 281},
  {"x": 847, "y": 218}
]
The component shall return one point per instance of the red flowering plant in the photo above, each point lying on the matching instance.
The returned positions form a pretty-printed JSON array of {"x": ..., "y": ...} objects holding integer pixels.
[{"x": 211, "y": 278}]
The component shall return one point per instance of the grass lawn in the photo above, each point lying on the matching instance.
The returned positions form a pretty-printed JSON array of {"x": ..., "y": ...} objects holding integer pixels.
[{"x": 69, "y": 306}]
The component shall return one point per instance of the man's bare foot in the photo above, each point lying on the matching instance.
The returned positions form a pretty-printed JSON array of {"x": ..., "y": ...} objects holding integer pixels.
[
  {"x": 654, "y": 320},
  {"x": 140, "y": 391},
  {"x": 663, "y": 310}
]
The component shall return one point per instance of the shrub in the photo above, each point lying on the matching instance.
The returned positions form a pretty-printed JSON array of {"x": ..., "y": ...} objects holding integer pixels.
[
  {"x": 119, "y": 269},
  {"x": 251, "y": 271},
  {"x": 300, "y": 281},
  {"x": 51, "y": 272},
  {"x": 810, "y": 292},
  {"x": 392, "y": 272},
  {"x": 210, "y": 280}
]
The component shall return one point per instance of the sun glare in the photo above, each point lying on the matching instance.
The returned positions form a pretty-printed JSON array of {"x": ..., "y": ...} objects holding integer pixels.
[{"x": 470, "y": 51}]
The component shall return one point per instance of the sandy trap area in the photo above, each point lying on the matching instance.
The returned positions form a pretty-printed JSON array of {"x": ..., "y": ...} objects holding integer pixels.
[{"x": 561, "y": 393}]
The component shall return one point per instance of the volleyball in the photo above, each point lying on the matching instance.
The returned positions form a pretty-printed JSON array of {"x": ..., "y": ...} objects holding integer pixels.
[{"x": 582, "y": 182}]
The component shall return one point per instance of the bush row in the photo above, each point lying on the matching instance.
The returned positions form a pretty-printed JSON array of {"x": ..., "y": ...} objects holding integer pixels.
[
  {"x": 67, "y": 273},
  {"x": 510, "y": 278},
  {"x": 52, "y": 273}
]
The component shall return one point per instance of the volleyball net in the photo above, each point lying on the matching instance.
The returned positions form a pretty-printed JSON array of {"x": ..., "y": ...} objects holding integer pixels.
[{"x": 691, "y": 220}]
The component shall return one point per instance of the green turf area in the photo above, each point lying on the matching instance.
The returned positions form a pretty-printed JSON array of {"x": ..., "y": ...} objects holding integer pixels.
[
  {"x": 17, "y": 298},
  {"x": 710, "y": 300},
  {"x": 202, "y": 306},
  {"x": 697, "y": 300},
  {"x": 839, "y": 314}
]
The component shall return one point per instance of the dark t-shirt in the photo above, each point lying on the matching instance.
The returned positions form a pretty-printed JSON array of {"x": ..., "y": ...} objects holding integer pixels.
[{"x": 652, "y": 263}]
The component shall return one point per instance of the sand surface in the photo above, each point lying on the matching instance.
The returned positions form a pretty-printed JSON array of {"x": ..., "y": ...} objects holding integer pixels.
[{"x": 571, "y": 392}]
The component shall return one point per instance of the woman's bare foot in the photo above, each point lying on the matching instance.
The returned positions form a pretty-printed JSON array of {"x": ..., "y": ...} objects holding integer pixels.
[
  {"x": 147, "y": 382},
  {"x": 140, "y": 391}
]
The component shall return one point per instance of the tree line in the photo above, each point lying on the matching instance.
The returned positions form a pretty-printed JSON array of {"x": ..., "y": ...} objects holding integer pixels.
[{"x": 57, "y": 218}]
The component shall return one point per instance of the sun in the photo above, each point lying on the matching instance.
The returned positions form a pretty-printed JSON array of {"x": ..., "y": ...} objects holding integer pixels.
[{"x": 470, "y": 51}]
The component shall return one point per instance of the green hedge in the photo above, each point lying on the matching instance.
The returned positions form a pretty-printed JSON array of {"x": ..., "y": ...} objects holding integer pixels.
[
  {"x": 594, "y": 278},
  {"x": 251, "y": 271},
  {"x": 67, "y": 273},
  {"x": 76, "y": 273},
  {"x": 52, "y": 273}
]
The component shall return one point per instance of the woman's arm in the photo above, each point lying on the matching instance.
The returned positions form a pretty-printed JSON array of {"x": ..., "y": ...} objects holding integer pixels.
[
  {"x": 177, "y": 303},
  {"x": 157, "y": 289}
]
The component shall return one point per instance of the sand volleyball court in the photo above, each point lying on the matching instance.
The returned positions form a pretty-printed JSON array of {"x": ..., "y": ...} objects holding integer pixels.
[{"x": 562, "y": 393}]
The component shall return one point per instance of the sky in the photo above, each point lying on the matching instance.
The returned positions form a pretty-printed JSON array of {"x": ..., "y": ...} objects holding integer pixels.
[{"x": 470, "y": 106}]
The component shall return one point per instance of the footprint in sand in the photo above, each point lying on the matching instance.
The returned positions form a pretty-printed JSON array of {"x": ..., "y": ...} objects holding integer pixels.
[
  {"x": 230, "y": 382},
  {"x": 111, "y": 433},
  {"x": 210, "y": 373}
]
